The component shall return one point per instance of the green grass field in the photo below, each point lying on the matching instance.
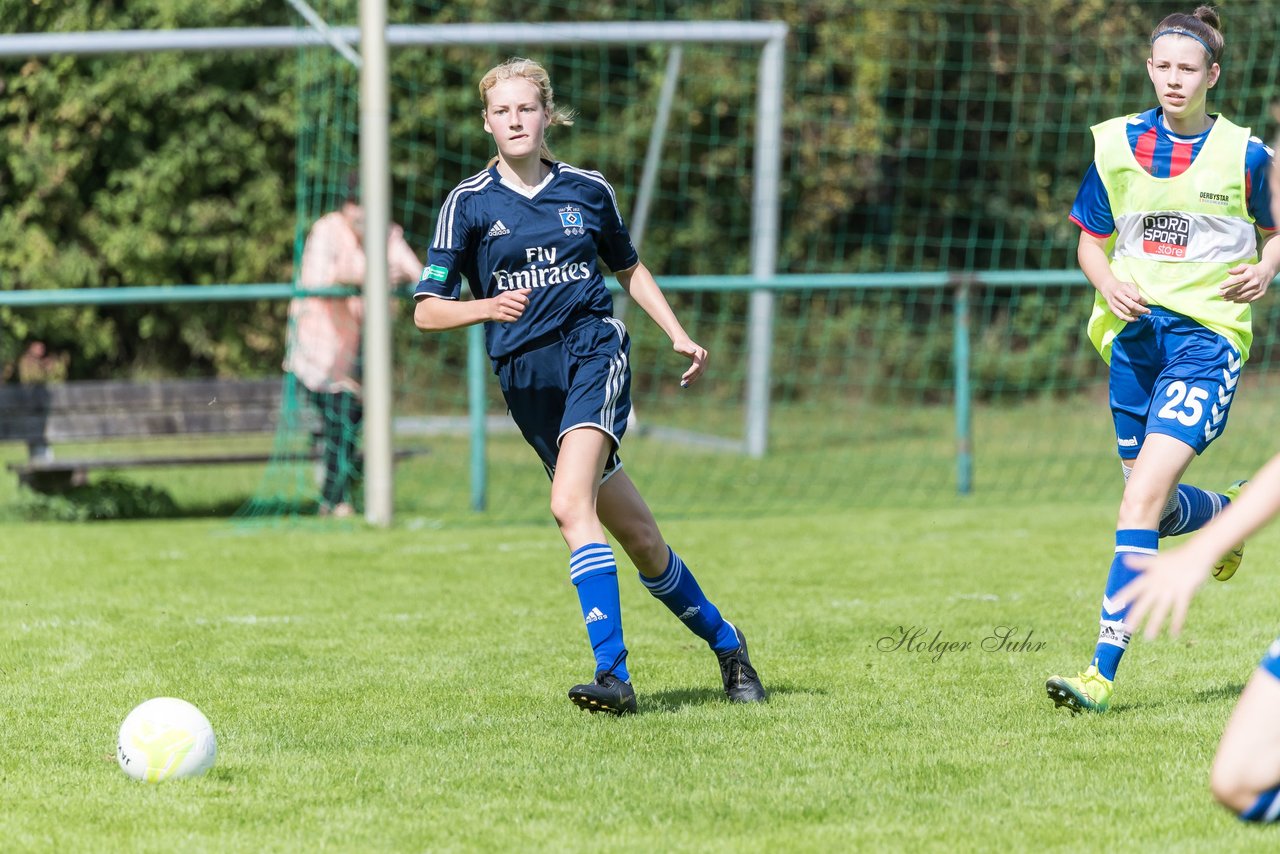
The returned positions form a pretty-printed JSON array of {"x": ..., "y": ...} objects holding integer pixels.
[{"x": 405, "y": 690}]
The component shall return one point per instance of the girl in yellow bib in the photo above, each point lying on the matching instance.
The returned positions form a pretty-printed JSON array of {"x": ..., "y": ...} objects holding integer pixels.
[
  {"x": 1176, "y": 236},
  {"x": 1246, "y": 769}
]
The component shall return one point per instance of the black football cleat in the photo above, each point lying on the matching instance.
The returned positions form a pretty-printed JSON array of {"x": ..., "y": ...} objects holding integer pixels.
[
  {"x": 741, "y": 684},
  {"x": 607, "y": 693}
]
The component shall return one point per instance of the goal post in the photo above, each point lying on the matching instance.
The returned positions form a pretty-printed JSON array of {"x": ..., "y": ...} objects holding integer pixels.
[
  {"x": 771, "y": 37},
  {"x": 375, "y": 180}
]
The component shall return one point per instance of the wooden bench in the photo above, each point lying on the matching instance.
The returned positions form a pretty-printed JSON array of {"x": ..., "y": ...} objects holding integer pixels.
[{"x": 86, "y": 411}]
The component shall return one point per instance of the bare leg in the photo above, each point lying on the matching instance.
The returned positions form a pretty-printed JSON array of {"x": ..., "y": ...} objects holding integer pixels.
[
  {"x": 625, "y": 513},
  {"x": 1248, "y": 760},
  {"x": 580, "y": 464},
  {"x": 1157, "y": 470}
]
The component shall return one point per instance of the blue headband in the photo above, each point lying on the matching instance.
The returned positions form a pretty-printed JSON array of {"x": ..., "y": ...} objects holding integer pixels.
[{"x": 1182, "y": 32}]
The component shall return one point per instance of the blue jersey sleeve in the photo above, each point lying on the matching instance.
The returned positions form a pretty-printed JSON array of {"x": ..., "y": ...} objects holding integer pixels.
[
  {"x": 1092, "y": 208},
  {"x": 440, "y": 278},
  {"x": 1258, "y": 163},
  {"x": 451, "y": 250},
  {"x": 614, "y": 244}
]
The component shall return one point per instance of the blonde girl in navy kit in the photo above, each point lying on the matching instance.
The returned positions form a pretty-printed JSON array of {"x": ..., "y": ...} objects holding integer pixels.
[{"x": 527, "y": 234}]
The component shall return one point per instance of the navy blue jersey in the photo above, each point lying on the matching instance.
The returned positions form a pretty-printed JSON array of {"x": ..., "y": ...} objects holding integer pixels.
[
  {"x": 500, "y": 240},
  {"x": 1164, "y": 154}
]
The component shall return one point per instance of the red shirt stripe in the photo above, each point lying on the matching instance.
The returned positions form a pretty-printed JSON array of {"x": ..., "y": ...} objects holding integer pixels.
[{"x": 1145, "y": 150}]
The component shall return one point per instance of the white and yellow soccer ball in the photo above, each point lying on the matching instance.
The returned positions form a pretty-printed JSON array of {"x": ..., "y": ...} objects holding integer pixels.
[{"x": 166, "y": 739}]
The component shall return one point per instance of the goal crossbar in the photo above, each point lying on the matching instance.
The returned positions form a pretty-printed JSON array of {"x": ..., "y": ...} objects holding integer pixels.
[{"x": 398, "y": 35}]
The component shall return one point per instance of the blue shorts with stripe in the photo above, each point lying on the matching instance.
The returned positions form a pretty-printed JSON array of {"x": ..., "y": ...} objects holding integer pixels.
[
  {"x": 1171, "y": 375},
  {"x": 580, "y": 377}
]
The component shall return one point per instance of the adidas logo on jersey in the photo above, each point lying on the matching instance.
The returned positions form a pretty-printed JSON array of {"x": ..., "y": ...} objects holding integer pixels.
[
  {"x": 596, "y": 614},
  {"x": 498, "y": 229}
]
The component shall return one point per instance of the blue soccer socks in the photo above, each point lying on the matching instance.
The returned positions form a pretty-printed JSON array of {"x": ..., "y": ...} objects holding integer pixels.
[
  {"x": 1113, "y": 635},
  {"x": 679, "y": 591},
  {"x": 594, "y": 574},
  {"x": 1265, "y": 808},
  {"x": 1190, "y": 509}
]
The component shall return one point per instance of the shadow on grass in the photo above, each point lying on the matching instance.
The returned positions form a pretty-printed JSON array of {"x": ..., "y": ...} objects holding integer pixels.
[
  {"x": 677, "y": 698},
  {"x": 1230, "y": 691},
  {"x": 117, "y": 498}
]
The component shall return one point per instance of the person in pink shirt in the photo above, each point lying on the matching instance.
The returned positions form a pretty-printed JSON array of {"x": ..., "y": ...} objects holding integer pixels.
[{"x": 323, "y": 351}]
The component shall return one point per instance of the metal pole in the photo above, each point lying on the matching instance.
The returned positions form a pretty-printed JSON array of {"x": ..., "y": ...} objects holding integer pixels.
[
  {"x": 964, "y": 412},
  {"x": 764, "y": 245},
  {"x": 400, "y": 35},
  {"x": 1015, "y": 279},
  {"x": 376, "y": 197},
  {"x": 653, "y": 154},
  {"x": 652, "y": 157},
  {"x": 477, "y": 365},
  {"x": 320, "y": 26}
]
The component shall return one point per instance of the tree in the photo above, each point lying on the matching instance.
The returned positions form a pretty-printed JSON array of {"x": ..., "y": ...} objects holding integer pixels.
[{"x": 146, "y": 169}]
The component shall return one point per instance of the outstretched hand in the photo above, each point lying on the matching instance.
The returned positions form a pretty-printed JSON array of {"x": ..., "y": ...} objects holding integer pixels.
[
  {"x": 696, "y": 353},
  {"x": 1164, "y": 589}
]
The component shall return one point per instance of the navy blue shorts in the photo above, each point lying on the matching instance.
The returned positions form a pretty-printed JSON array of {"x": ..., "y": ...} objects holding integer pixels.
[
  {"x": 578, "y": 378},
  {"x": 1173, "y": 376}
]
